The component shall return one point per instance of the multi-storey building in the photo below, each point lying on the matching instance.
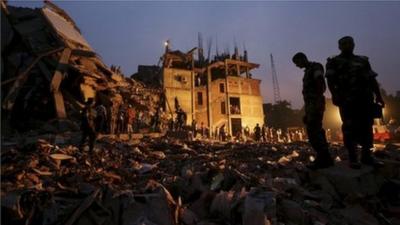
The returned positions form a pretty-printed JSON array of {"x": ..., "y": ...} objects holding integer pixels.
[{"x": 213, "y": 93}]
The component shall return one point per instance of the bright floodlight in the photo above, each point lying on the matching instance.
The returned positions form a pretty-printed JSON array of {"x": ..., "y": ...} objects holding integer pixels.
[{"x": 166, "y": 43}]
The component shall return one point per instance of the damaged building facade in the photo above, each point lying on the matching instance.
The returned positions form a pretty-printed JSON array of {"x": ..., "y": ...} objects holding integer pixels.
[
  {"x": 215, "y": 93},
  {"x": 48, "y": 71}
]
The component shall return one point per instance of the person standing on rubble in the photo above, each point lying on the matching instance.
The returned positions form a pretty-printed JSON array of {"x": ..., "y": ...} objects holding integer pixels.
[
  {"x": 121, "y": 120},
  {"x": 264, "y": 133},
  {"x": 356, "y": 92},
  {"x": 101, "y": 118},
  {"x": 222, "y": 135},
  {"x": 131, "y": 113},
  {"x": 202, "y": 130},
  {"x": 314, "y": 105},
  {"x": 88, "y": 127},
  {"x": 194, "y": 128},
  {"x": 216, "y": 133},
  {"x": 257, "y": 132},
  {"x": 113, "y": 117},
  {"x": 181, "y": 118},
  {"x": 271, "y": 135},
  {"x": 156, "y": 121},
  {"x": 247, "y": 132}
]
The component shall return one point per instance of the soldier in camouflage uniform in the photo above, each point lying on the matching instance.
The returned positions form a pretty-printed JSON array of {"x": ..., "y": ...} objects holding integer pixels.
[
  {"x": 354, "y": 90},
  {"x": 314, "y": 104}
]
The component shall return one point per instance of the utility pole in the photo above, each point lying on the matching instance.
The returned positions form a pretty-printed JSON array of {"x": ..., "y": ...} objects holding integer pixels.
[{"x": 275, "y": 83}]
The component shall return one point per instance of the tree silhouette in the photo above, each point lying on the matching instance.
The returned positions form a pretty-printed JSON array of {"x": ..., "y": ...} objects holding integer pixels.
[{"x": 281, "y": 115}]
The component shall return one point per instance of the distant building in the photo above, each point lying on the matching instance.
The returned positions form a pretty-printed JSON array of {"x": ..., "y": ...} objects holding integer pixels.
[
  {"x": 217, "y": 92},
  {"x": 150, "y": 75}
]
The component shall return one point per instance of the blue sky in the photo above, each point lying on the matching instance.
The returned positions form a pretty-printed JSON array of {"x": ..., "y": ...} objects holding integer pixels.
[{"x": 129, "y": 33}]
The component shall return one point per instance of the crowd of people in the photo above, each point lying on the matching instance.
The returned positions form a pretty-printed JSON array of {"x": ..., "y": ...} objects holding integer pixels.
[
  {"x": 262, "y": 134},
  {"x": 131, "y": 109}
]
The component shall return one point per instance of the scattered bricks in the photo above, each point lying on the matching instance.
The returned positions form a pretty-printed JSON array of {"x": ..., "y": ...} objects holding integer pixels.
[{"x": 213, "y": 183}]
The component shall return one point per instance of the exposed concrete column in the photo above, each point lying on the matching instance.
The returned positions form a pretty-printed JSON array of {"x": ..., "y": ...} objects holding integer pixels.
[
  {"x": 227, "y": 99},
  {"x": 193, "y": 92},
  {"x": 165, "y": 93},
  {"x": 56, "y": 82},
  {"x": 209, "y": 99}
]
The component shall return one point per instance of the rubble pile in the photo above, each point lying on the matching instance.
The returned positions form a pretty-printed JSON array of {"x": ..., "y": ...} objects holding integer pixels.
[
  {"x": 162, "y": 181},
  {"x": 49, "y": 70}
]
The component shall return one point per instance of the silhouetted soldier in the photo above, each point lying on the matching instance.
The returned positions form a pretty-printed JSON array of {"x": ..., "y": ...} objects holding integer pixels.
[
  {"x": 354, "y": 89},
  {"x": 88, "y": 124},
  {"x": 314, "y": 105}
]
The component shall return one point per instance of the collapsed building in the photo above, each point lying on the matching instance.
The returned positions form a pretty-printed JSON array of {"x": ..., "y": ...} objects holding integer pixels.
[
  {"x": 48, "y": 71},
  {"x": 215, "y": 93}
]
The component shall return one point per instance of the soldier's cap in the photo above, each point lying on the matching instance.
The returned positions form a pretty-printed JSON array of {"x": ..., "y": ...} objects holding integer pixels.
[{"x": 346, "y": 39}]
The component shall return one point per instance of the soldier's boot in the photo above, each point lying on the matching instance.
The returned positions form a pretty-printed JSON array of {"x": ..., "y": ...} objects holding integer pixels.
[
  {"x": 368, "y": 159},
  {"x": 353, "y": 159},
  {"x": 322, "y": 161}
]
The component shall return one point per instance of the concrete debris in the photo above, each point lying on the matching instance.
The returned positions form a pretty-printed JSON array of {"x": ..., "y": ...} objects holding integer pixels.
[
  {"x": 166, "y": 181},
  {"x": 151, "y": 176},
  {"x": 49, "y": 70}
]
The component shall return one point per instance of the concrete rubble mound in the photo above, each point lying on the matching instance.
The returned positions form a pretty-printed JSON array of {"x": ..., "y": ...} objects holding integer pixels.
[
  {"x": 49, "y": 70},
  {"x": 165, "y": 181}
]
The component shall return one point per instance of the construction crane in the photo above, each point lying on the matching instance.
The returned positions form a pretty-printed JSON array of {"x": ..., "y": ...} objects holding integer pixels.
[{"x": 275, "y": 83}]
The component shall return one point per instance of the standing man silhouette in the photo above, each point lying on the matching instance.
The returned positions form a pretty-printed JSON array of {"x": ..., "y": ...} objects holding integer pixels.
[
  {"x": 314, "y": 104},
  {"x": 354, "y": 90}
]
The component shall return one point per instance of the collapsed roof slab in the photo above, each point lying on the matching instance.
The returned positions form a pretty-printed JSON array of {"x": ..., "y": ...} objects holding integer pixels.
[{"x": 66, "y": 30}]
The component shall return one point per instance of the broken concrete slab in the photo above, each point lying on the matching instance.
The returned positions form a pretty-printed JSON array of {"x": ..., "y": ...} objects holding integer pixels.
[{"x": 347, "y": 181}]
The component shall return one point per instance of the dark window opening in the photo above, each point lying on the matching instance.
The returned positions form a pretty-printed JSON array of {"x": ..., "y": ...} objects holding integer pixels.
[
  {"x": 234, "y": 105},
  {"x": 221, "y": 88},
  {"x": 223, "y": 111}
]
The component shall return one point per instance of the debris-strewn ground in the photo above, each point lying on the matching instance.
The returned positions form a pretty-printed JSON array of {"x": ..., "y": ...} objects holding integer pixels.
[{"x": 161, "y": 181}]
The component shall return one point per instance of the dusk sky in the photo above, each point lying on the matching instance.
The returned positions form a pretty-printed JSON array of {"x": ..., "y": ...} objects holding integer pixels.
[{"x": 129, "y": 33}]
